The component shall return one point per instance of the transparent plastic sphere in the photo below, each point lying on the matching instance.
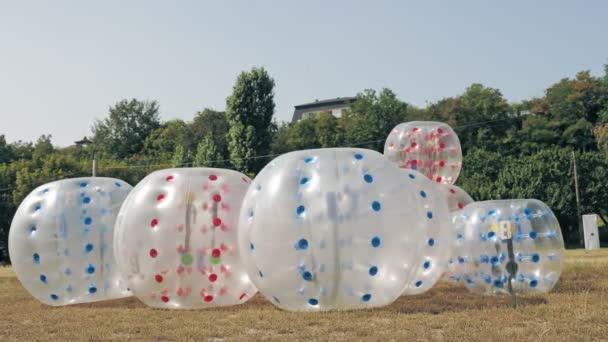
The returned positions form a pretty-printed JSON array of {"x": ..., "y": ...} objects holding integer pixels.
[
  {"x": 61, "y": 241},
  {"x": 176, "y": 239},
  {"x": 341, "y": 228},
  {"x": 429, "y": 147},
  {"x": 494, "y": 237}
]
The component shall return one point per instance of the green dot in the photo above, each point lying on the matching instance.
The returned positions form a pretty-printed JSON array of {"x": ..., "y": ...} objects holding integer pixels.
[
  {"x": 215, "y": 260},
  {"x": 187, "y": 259}
]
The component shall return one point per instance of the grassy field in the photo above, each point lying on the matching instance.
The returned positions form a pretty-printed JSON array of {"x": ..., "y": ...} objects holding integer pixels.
[{"x": 577, "y": 309}]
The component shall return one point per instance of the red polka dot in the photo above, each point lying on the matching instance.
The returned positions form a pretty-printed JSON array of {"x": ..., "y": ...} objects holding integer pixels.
[
  {"x": 438, "y": 179},
  {"x": 414, "y": 145},
  {"x": 154, "y": 223},
  {"x": 415, "y": 129},
  {"x": 160, "y": 197},
  {"x": 452, "y": 191},
  {"x": 212, "y": 277},
  {"x": 212, "y": 177},
  {"x": 460, "y": 205},
  {"x": 158, "y": 278},
  {"x": 242, "y": 296},
  {"x": 414, "y": 162},
  {"x": 441, "y": 144},
  {"x": 217, "y": 221},
  {"x": 439, "y": 130},
  {"x": 217, "y": 197},
  {"x": 216, "y": 253},
  {"x": 164, "y": 299},
  {"x": 169, "y": 178},
  {"x": 208, "y": 298},
  {"x": 245, "y": 180},
  {"x": 441, "y": 163},
  {"x": 153, "y": 253}
]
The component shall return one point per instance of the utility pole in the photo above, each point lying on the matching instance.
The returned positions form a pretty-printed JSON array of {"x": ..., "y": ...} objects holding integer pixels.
[
  {"x": 579, "y": 217},
  {"x": 94, "y": 166}
]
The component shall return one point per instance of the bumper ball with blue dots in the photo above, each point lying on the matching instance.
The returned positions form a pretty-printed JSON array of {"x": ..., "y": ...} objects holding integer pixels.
[
  {"x": 61, "y": 241},
  {"x": 338, "y": 229},
  {"x": 507, "y": 246}
]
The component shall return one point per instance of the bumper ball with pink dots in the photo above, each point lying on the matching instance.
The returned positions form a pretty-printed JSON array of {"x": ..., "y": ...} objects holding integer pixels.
[
  {"x": 176, "y": 239},
  {"x": 61, "y": 241},
  {"x": 338, "y": 229},
  {"x": 508, "y": 246},
  {"x": 431, "y": 148}
]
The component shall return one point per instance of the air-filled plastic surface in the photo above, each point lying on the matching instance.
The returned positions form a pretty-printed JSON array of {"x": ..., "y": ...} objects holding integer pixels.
[
  {"x": 481, "y": 255},
  {"x": 431, "y": 148},
  {"x": 60, "y": 241},
  {"x": 176, "y": 239},
  {"x": 341, "y": 229}
]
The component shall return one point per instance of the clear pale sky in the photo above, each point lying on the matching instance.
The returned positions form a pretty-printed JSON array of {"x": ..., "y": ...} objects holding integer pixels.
[{"x": 63, "y": 63}]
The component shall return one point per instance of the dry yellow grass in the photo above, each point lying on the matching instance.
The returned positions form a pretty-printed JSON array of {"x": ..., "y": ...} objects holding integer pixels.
[{"x": 577, "y": 309}]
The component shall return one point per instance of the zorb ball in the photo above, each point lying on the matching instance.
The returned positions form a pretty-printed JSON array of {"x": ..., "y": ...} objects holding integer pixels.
[
  {"x": 431, "y": 148},
  {"x": 176, "y": 239},
  {"x": 341, "y": 228},
  {"x": 508, "y": 246},
  {"x": 61, "y": 240}
]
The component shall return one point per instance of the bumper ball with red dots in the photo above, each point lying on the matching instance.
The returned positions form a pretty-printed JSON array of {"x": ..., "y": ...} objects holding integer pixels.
[
  {"x": 61, "y": 241},
  {"x": 508, "y": 246},
  {"x": 176, "y": 239},
  {"x": 339, "y": 229},
  {"x": 431, "y": 148}
]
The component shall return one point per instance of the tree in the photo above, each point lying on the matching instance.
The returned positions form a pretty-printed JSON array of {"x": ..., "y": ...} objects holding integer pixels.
[
  {"x": 249, "y": 110},
  {"x": 179, "y": 157},
  {"x": 43, "y": 148},
  {"x": 162, "y": 141},
  {"x": 126, "y": 128},
  {"x": 214, "y": 124},
  {"x": 207, "y": 153},
  {"x": 6, "y": 153}
]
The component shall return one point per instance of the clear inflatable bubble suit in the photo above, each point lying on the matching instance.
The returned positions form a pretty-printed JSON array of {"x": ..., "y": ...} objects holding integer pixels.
[
  {"x": 484, "y": 232},
  {"x": 431, "y": 148},
  {"x": 341, "y": 229},
  {"x": 176, "y": 239},
  {"x": 60, "y": 241}
]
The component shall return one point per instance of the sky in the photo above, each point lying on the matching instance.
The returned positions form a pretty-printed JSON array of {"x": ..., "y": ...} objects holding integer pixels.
[{"x": 64, "y": 63}]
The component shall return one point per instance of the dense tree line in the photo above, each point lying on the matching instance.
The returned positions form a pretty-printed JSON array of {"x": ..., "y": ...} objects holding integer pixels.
[{"x": 511, "y": 150}]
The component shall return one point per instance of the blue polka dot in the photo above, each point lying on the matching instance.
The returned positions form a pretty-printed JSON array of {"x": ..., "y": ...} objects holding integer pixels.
[
  {"x": 88, "y": 247},
  {"x": 460, "y": 260},
  {"x": 535, "y": 257},
  {"x": 376, "y": 206},
  {"x": 276, "y": 299},
  {"x": 43, "y": 278},
  {"x": 300, "y": 210},
  {"x": 491, "y": 235},
  {"x": 373, "y": 271},
  {"x": 533, "y": 234},
  {"x": 498, "y": 283},
  {"x": 431, "y": 242},
  {"x": 366, "y": 297},
  {"x": 494, "y": 260},
  {"x": 36, "y": 258},
  {"x": 484, "y": 259},
  {"x": 251, "y": 213},
  {"x": 487, "y": 279},
  {"x": 313, "y": 301},
  {"x": 368, "y": 178},
  {"x": 88, "y": 221},
  {"x": 83, "y": 184},
  {"x": 261, "y": 274},
  {"x": 307, "y": 276},
  {"x": 33, "y": 229},
  {"x": 309, "y": 160},
  {"x": 533, "y": 283},
  {"x": 429, "y": 214},
  {"x": 92, "y": 289},
  {"x": 491, "y": 212},
  {"x": 418, "y": 283},
  {"x": 303, "y": 180},
  {"x": 426, "y": 264},
  {"x": 54, "y": 296},
  {"x": 412, "y": 176},
  {"x": 37, "y": 207},
  {"x": 86, "y": 200},
  {"x": 117, "y": 184},
  {"x": 90, "y": 269},
  {"x": 358, "y": 156},
  {"x": 67, "y": 271},
  {"x": 422, "y": 194},
  {"x": 45, "y": 190},
  {"x": 302, "y": 244},
  {"x": 251, "y": 247},
  {"x": 527, "y": 211},
  {"x": 375, "y": 241}
]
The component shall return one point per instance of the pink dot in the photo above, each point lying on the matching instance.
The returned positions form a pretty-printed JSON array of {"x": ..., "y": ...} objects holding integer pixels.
[
  {"x": 415, "y": 129},
  {"x": 153, "y": 253},
  {"x": 414, "y": 162},
  {"x": 217, "y": 198},
  {"x": 438, "y": 179},
  {"x": 452, "y": 191},
  {"x": 439, "y": 130},
  {"x": 242, "y": 296},
  {"x": 460, "y": 205},
  {"x": 158, "y": 278},
  {"x": 160, "y": 197},
  {"x": 441, "y": 144},
  {"x": 212, "y": 277},
  {"x": 154, "y": 223},
  {"x": 217, "y": 221},
  {"x": 244, "y": 179},
  {"x": 212, "y": 177},
  {"x": 164, "y": 299},
  {"x": 216, "y": 253},
  {"x": 441, "y": 163},
  {"x": 169, "y": 178},
  {"x": 414, "y": 144},
  {"x": 208, "y": 298}
]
